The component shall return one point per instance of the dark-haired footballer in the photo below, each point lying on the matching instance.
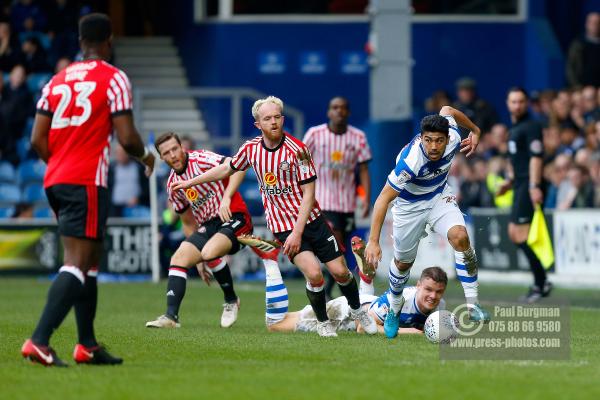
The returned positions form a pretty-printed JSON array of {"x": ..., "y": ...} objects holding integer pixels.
[
  {"x": 76, "y": 114},
  {"x": 421, "y": 195}
]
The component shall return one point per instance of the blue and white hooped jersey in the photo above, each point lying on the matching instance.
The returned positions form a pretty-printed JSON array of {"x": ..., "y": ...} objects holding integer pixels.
[
  {"x": 418, "y": 179},
  {"x": 410, "y": 315}
]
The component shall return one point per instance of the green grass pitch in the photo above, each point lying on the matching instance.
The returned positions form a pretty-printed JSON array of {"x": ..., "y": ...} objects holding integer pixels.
[{"x": 202, "y": 361}]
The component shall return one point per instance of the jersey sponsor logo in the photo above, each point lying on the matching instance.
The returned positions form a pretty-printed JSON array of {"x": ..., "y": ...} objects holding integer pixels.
[
  {"x": 196, "y": 200},
  {"x": 270, "y": 186},
  {"x": 270, "y": 179},
  {"x": 191, "y": 194},
  {"x": 337, "y": 156}
]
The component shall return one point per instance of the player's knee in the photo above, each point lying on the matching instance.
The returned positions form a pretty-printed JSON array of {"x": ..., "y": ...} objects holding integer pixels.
[
  {"x": 180, "y": 259},
  {"x": 459, "y": 238},
  {"x": 315, "y": 278},
  {"x": 401, "y": 265}
]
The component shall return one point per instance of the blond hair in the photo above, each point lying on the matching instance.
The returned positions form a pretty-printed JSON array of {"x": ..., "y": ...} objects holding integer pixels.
[{"x": 258, "y": 103}]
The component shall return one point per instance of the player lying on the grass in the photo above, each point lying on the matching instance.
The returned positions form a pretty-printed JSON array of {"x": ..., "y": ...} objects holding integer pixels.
[
  {"x": 213, "y": 215},
  {"x": 421, "y": 300},
  {"x": 286, "y": 176},
  {"x": 418, "y": 188}
]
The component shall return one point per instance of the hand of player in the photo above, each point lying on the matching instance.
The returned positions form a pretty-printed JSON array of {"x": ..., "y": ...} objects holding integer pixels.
[
  {"x": 149, "y": 164},
  {"x": 373, "y": 253},
  {"x": 291, "y": 247},
  {"x": 536, "y": 195},
  {"x": 469, "y": 144},
  {"x": 204, "y": 272},
  {"x": 224, "y": 210},
  {"x": 504, "y": 187},
  {"x": 181, "y": 184}
]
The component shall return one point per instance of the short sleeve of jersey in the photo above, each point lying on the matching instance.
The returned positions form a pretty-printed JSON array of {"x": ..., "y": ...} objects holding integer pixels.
[
  {"x": 400, "y": 176},
  {"x": 213, "y": 159},
  {"x": 306, "y": 171},
  {"x": 240, "y": 162},
  {"x": 364, "y": 151},
  {"x": 452, "y": 123},
  {"x": 44, "y": 105},
  {"x": 178, "y": 200},
  {"x": 119, "y": 93},
  {"x": 535, "y": 144}
]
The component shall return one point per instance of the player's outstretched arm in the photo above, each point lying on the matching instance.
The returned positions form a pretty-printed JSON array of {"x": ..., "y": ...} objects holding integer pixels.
[
  {"x": 131, "y": 141},
  {"x": 39, "y": 135},
  {"x": 214, "y": 174},
  {"x": 472, "y": 141},
  {"x": 234, "y": 183},
  {"x": 373, "y": 250}
]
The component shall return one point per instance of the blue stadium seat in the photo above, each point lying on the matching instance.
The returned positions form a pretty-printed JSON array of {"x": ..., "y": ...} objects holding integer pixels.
[
  {"x": 136, "y": 212},
  {"x": 6, "y": 212},
  {"x": 36, "y": 82},
  {"x": 251, "y": 194},
  {"x": 9, "y": 193},
  {"x": 34, "y": 193},
  {"x": 23, "y": 146},
  {"x": 7, "y": 172},
  {"x": 43, "y": 212},
  {"x": 31, "y": 171}
]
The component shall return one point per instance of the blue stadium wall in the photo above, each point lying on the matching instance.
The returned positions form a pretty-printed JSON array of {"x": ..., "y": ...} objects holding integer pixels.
[{"x": 497, "y": 55}]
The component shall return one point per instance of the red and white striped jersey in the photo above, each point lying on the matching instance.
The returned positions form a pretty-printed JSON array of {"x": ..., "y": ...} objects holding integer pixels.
[
  {"x": 81, "y": 100},
  {"x": 336, "y": 157},
  {"x": 205, "y": 198},
  {"x": 280, "y": 172}
]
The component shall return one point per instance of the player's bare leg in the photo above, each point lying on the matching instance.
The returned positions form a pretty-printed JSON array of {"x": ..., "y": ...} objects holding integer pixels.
[
  {"x": 309, "y": 266},
  {"x": 340, "y": 272},
  {"x": 466, "y": 271}
]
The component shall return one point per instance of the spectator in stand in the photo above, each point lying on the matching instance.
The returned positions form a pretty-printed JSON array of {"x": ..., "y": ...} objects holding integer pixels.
[
  {"x": 595, "y": 178},
  {"x": 62, "y": 29},
  {"x": 27, "y": 16},
  {"x": 478, "y": 110},
  {"x": 589, "y": 102},
  {"x": 61, "y": 64},
  {"x": 127, "y": 183},
  {"x": 562, "y": 165},
  {"x": 570, "y": 140},
  {"x": 496, "y": 142},
  {"x": 438, "y": 99},
  {"x": 10, "y": 52},
  {"x": 561, "y": 110},
  {"x": 551, "y": 143},
  {"x": 473, "y": 190},
  {"x": 581, "y": 190},
  {"x": 188, "y": 143},
  {"x": 15, "y": 107},
  {"x": 35, "y": 58},
  {"x": 23, "y": 211},
  {"x": 583, "y": 61}
]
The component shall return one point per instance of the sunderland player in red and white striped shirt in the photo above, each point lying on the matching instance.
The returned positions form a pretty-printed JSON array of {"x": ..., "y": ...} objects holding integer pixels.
[
  {"x": 286, "y": 176},
  {"x": 338, "y": 150},
  {"x": 210, "y": 232},
  {"x": 76, "y": 115}
]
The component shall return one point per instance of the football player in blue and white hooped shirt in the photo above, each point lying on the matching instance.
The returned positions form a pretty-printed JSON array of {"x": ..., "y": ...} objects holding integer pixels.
[{"x": 418, "y": 187}]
